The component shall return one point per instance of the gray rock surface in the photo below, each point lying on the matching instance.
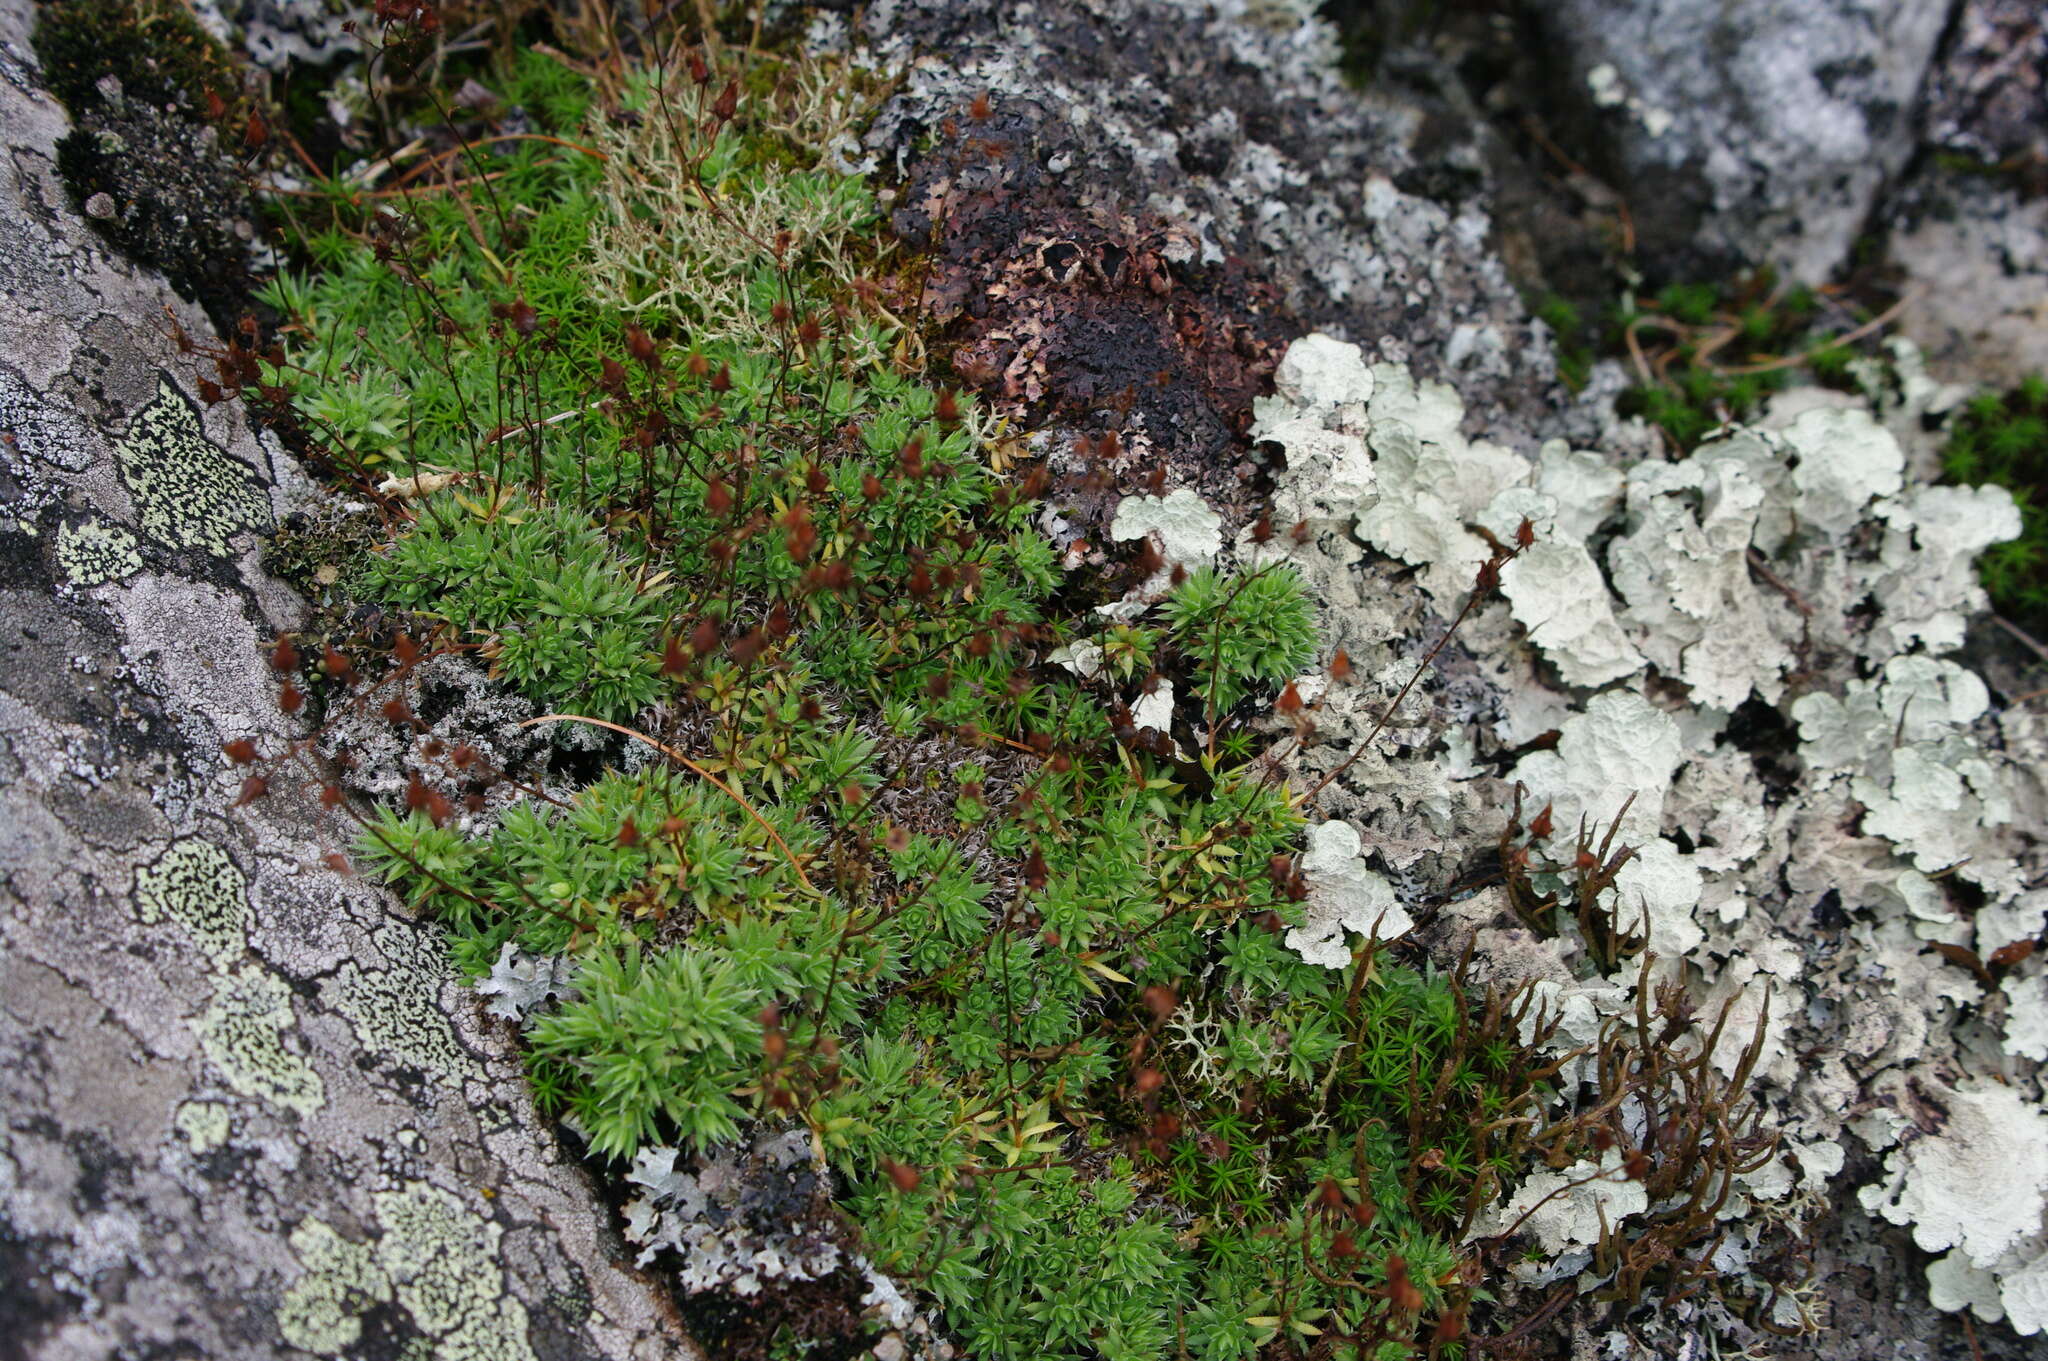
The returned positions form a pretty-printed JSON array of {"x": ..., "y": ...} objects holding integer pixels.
[
  {"x": 244, "y": 1109},
  {"x": 1754, "y": 130},
  {"x": 1970, "y": 229}
]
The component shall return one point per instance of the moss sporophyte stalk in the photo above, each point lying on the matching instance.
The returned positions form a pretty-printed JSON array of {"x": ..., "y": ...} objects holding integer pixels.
[{"x": 797, "y": 827}]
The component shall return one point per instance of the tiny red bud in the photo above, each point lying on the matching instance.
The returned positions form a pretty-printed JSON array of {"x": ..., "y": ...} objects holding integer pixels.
[{"x": 241, "y": 751}]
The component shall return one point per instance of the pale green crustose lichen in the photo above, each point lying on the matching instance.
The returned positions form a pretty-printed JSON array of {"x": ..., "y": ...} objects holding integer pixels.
[
  {"x": 434, "y": 1256},
  {"x": 197, "y": 885},
  {"x": 242, "y": 1033},
  {"x": 188, "y": 491},
  {"x": 204, "y": 1125},
  {"x": 93, "y": 553}
]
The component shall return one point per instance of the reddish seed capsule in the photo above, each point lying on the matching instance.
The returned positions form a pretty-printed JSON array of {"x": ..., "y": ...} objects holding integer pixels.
[
  {"x": 919, "y": 583},
  {"x": 1262, "y": 529},
  {"x": 629, "y": 834},
  {"x": 1160, "y": 1000},
  {"x": 284, "y": 657},
  {"x": 330, "y": 795},
  {"x": 1525, "y": 533},
  {"x": 870, "y": 487},
  {"x": 397, "y": 711},
  {"x": 1289, "y": 701},
  {"x": 905, "y": 1176},
  {"x": 337, "y": 862},
  {"x": 1340, "y": 666},
  {"x": 704, "y": 638},
  {"x": 722, "y": 380},
  {"x": 1636, "y": 1165},
  {"x": 1488, "y": 579},
  {"x": 979, "y": 109},
  {"x": 1401, "y": 1291},
  {"x": 728, "y": 102},
  {"x": 802, "y": 535},
  {"x": 290, "y": 699},
  {"x": 699, "y": 72},
  {"x": 640, "y": 344},
  {"x": 2005, "y": 956},
  {"x": 1035, "y": 872},
  {"x": 946, "y": 411},
  {"x": 809, "y": 333},
  {"x": 1540, "y": 826},
  {"x": 241, "y": 751},
  {"x": 816, "y": 480},
  {"x": 338, "y": 666},
  {"x": 474, "y": 802},
  {"x": 253, "y": 788},
  {"x": 748, "y": 646},
  {"x": 1150, "y": 1080}
]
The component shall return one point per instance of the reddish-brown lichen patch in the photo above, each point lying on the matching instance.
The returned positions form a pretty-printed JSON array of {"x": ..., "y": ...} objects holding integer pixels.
[{"x": 1089, "y": 318}]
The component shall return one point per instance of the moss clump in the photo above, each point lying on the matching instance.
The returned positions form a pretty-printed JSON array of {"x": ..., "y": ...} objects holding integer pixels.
[
  {"x": 154, "y": 48},
  {"x": 2003, "y": 439},
  {"x": 149, "y": 91}
]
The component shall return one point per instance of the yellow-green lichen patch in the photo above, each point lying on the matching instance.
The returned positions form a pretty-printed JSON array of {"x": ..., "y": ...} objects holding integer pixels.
[
  {"x": 198, "y": 885},
  {"x": 242, "y": 1032},
  {"x": 394, "y": 1010},
  {"x": 444, "y": 1260},
  {"x": 322, "y": 1312},
  {"x": 188, "y": 491},
  {"x": 204, "y": 1125},
  {"x": 94, "y": 553}
]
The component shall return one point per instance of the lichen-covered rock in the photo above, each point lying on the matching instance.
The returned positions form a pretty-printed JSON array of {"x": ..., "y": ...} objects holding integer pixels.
[
  {"x": 1748, "y": 130},
  {"x": 244, "y": 1110},
  {"x": 1132, "y": 203}
]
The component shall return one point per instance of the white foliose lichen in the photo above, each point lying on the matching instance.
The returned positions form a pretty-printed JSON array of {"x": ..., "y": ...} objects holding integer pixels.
[
  {"x": 1343, "y": 896},
  {"x": 1752, "y": 641}
]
